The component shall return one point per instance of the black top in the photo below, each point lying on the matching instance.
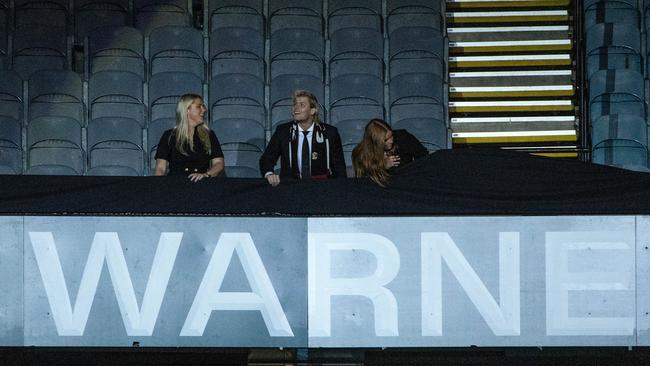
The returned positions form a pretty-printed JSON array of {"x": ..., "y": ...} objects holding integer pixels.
[
  {"x": 407, "y": 147},
  {"x": 197, "y": 161}
]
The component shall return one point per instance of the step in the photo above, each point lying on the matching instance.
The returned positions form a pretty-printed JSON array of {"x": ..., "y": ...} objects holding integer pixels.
[
  {"x": 469, "y": 34},
  {"x": 510, "y": 106},
  {"x": 536, "y": 16},
  {"x": 513, "y": 136},
  {"x": 473, "y": 4},
  {"x": 495, "y": 61},
  {"x": 510, "y": 46},
  {"x": 512, "y": 91},
  {"x": 521, "y": 123},
  {"x": 510, "y": 78}
]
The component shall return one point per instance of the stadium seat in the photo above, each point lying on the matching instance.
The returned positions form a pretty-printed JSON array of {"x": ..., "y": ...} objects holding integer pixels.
[
  {"x": 621, "y": 153},
  {"x": 6, "y": 170},
  {"x": 616, "y": 92},
  {"x": 116, "y": 94},
  {"x": 416, "y": 87},
  {"x": 356, "y": 50},
  {"x": 51, "y": 169},
  {"x": 354, "y": 100},
  {"x": 619, "y": 127},
  {"x": 352, "y": 130},
  {"x": 620, "y": 140},
  {"x": 166, "y": 88},
  {"x": 344, "y": 14},
  {"x": 347, "y": 156},
  {"x": 619, "y": 12},
  {"x": 53, "y": 13},
  {"x": 236, "y": 13},
  {"x": 413, "y": 13},
  {"x": 285, "y": 14},
  {"x": 56, "y": 93},
  {"x": 39, "y": 47},
  {"x": 154, "y": 133},
  {"x": 416, "y": 48},
  {"x": 113, "y": 170},
  {"x": 10, "y": 144},
  {"x": 612, "y": 46},
  {"x": 151, "y": 14},
  {"x": 297, "y": 51},
  {"x": 55, "y": 141},
  {"x": 240, "y": 130},
  {"x": 120, "y": 49},
  {"x": 241, "y": 160},
  {"x": 237, "y": 50},
  {"x": 93, "y": 14},
  {"x": 176, "y": 49},
  {"x": 432, "y": 133},
  {"x": 4, "y": 32},
  {"x": 115, "y": 142},
  {"x": 237, "y": 103},
  {"x": 282, "y": 89},
  {"x": 11, "y": 95}
]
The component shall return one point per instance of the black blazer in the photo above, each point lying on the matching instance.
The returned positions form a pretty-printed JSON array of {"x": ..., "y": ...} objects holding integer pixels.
[
  {"x": 285, "y": 138},
  {"x": 408, "y": 147}
]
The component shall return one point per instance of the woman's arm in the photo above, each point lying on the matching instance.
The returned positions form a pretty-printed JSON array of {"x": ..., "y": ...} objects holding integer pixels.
[
  {"x": 161, "y": 167},
  {"x": 216, "y": 167}
]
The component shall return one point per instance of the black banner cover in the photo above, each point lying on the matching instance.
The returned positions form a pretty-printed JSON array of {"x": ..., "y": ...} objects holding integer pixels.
[{"x": 447, "y": 182}]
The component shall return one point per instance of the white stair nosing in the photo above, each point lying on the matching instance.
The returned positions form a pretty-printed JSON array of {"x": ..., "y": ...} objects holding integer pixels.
[
  {"x": 490, "y": 1},
  {"x": 543, "y": 42},
  {"x": 512, "y": 103},
  {"x": 501, "y": 14},
  {"x": 461, "y": 120},
  {"x": 510, "y": 57},
  {"x": 514, "y": 133},
  {"x": 496, "y": 89},
  {"x": 484, "y": 74},
  {"x": 548, "y": 28}
]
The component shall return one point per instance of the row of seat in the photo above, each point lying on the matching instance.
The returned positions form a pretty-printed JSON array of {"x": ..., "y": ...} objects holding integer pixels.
[
  {"x": 114, "y": 146},
  {"x": 235, "y": 49},
  {"x": 614, "y": 72},
  {"x": 236, "y": 103},
  {"x": 121, "y": 94},
  {"x": 232, "y": 42},
  {"x": 146, "y": 15},
  {"x": 54, "y": 146}
]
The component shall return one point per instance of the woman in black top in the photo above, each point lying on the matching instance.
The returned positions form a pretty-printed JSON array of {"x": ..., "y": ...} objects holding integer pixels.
[
  {"x": 383, "y": 149},
  {"x": 190, "y": 148}
]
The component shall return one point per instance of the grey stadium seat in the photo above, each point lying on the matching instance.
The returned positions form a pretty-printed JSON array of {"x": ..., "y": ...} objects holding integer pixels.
[
  {"x": 56, "y": 93},
  {"x": 116, "y": 94},
  {"x": 176, "y": 49},
  {"x": 120, "y": 49}
]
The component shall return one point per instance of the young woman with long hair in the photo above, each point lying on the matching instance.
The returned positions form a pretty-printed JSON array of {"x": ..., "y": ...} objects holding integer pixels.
[
  {"x": 190, "y": 148},
  {"x": 381, "y": 149}
]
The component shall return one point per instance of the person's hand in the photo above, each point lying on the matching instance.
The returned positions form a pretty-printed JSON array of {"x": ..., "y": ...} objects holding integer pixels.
[
  {"x": 273, "y": 179},
  {"x": 195, "y": 177},
  {"x": 391, "y": 161}
]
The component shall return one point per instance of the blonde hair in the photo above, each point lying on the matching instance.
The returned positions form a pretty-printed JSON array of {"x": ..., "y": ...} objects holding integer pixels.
[
  {"x": 313, "y": 102},
  {"x": 182, "y": 129},
  {"x": 368, "y": 156}
]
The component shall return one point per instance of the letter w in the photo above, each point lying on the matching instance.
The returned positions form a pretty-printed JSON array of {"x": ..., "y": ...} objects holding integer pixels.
[{"x": 105, "y": 246}]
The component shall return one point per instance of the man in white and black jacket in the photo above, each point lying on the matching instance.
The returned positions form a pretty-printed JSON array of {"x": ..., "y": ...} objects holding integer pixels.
[{"x": 307, "y": 148}]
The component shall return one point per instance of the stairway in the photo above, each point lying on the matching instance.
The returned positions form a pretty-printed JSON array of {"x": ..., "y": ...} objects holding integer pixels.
[{"x": 512, "y": 75}]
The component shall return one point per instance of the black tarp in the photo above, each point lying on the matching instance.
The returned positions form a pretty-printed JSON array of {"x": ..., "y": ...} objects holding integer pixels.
[{"x": 448, "y": 182}]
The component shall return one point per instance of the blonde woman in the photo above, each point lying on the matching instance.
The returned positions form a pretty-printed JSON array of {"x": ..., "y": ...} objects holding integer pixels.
[
  {"x": 381, "y": 149},
  {"x": 190, "y": 148}
]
